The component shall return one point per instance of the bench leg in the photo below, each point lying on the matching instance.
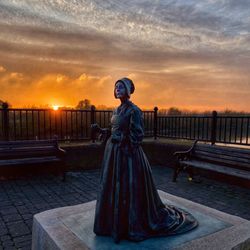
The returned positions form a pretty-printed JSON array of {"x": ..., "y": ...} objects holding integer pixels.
[
  {"x": 63, "y": 171},
  {"x": 190, "y": 173},
  {"x": 193, "y": 175},
  {"x": 64, "y": 177},
  {"x": 176, "y": 171}
]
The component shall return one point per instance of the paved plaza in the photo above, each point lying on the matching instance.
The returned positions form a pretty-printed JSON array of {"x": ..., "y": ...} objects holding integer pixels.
[{"x": 21, "y": 199}]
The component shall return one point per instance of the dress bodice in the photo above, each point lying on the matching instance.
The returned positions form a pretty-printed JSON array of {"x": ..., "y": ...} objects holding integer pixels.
[
  {"x": 127, "y": 123},
  {"x": 120, "y": 119}
]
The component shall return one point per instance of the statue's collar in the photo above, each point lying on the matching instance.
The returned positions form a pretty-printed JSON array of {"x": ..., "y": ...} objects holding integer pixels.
[
  {"x": 127, "y": 101},
  {"x": 123, "y": 106}
]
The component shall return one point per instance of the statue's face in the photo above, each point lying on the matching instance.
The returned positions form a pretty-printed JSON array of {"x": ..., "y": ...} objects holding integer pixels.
[{"x": 120, "y": 90}]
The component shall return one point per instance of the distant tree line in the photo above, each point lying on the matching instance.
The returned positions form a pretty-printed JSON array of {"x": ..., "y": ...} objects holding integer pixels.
[
  {"x": 86, "y": 104},
  {"x": 4, "y": 104},
  {"x": 176, "y": 111}
]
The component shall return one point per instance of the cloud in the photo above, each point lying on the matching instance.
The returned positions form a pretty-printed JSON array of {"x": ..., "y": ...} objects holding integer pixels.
[
  {"x": 180, "y": 24},
  {"x": 55, "y": 89},
  {"x": 172, "y": 49},
  {"x": 2, "y": 69},
  {"x": 163, "y": 91}
]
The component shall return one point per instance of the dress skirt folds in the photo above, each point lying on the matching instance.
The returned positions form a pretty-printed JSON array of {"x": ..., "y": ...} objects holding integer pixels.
[{"x": 128, "y": 205}]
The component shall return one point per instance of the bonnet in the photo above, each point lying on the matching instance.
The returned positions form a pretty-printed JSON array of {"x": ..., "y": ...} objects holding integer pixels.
[{"x": 129, "y": 86}]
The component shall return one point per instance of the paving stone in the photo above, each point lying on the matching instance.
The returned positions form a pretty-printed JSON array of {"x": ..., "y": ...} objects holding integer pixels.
[
  {"x": 22, "y": 209},
  {"x": 23, "y": 244},
  {"x": 12, "y": 217},
  {"x": 42, "y": 206},
  {"x": 3, "y": 231},
  {"x": 22, "y": 239},
  {"x": 8, "y": 210},
  {"x": 5, "y": 237},
  {"x": 5, "y": 203},
  {"x": 18, "y": 229},
  {"x": 25, "y": 248},
  {"x": 7, "y": 243},
  {"x": 10, "y": 248},
  {"x": 29, "y": 223},
  {"x": 1, "y": 222},
  {"x": 10, "y": 223},
  {"x": 27, "y": 216}
]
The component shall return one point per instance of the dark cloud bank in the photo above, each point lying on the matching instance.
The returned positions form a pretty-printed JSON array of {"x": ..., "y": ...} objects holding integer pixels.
[{"x": 180, "y": 53}]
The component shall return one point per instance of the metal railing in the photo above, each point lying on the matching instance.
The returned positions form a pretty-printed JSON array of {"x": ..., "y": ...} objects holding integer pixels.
[
  {"x": 70, "y": 125},
  {"x": 67, "y": 125},
  {"x": 185, "y": 127},
  {"x": 215, "y": 128}
]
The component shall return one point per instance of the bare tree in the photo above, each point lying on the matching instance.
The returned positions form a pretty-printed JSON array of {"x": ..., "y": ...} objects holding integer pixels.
[{"x": 84, "y": 104}]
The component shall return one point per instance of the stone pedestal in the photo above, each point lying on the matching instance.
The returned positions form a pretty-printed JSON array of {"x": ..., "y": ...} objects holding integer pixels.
[{"x": 72, "y": 228}]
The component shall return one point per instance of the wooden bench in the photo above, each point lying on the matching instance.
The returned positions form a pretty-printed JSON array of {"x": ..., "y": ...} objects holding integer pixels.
[
  {"x": 223, "y": 160},
  {"x": 29, "y": 153}
]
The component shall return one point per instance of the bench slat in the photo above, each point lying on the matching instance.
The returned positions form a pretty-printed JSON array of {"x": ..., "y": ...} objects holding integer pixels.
[
  {"x": 27, "y": 152},
  {"x": 214, "y": 155},
  {"x": 226, "y": 148},
  {"x": 27, "y": 149},
  {"x": 212, "y": 149},
  {"x": 29, "y": 161},
  {"x": 12, "y": 155},
  {"x": 31, "y": 143},
  {"x": 218, "y": 168},
  {"x": 235, "y": 164}
]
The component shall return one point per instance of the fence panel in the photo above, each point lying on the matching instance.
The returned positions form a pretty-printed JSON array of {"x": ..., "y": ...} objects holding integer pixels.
[
  {"x": 148, "y": 118},
  {"x": 185, "y": 127},
  {"x": 69, "y": 125},
  {"x": 37, "y": 124},
  {"x": 233, "y": 129},
  {"x": 214, "y": 128}
]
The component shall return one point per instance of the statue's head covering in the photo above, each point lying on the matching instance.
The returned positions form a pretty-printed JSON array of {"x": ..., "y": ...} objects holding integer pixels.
[{"x": 128, "y": 84}]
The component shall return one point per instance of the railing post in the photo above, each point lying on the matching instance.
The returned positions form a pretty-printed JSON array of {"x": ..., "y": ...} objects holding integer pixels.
[
  {"x": 155, "y": 122},
  {"x": 5, "y": 121},
  {"x": 214, "y": 127},
  {"x": 92, "y": 120}
]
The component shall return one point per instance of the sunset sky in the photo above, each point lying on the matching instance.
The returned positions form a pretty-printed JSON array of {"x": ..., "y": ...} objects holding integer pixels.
[{"x": 189, "y": 54}]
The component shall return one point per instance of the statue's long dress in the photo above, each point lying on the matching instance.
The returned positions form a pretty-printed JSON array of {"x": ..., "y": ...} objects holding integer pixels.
[{"x": 128, "y": 205}]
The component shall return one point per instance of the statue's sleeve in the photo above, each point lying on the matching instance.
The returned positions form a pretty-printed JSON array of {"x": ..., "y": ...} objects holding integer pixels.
[{"x": 136, "y": 127}]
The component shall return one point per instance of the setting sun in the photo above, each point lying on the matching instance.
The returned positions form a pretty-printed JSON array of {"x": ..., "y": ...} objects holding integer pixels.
[{"x": 55, "y": 107}]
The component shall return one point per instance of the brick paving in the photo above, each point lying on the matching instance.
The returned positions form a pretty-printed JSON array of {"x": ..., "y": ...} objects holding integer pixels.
[{"x": 21, "y": 199}]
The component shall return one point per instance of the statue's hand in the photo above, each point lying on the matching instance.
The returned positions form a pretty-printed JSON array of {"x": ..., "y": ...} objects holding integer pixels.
[{"x": 95, "y": 127}]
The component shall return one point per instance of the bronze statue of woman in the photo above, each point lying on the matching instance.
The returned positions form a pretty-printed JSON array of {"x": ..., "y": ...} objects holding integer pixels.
[{"x": 128, "y": 205}]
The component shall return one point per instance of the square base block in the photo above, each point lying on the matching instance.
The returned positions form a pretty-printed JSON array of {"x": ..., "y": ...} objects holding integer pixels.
[{"x": 72, "y": 228}]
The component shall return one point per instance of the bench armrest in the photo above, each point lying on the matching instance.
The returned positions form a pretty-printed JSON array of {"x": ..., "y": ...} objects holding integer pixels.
[
  {"x": 61, "y": 153},
  {"x": 181, "y": 155}
]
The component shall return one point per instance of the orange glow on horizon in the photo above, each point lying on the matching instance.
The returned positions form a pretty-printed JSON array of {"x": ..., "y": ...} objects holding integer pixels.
[
  {"x": 55, "y": 107},
  {"x": 54, "y": 92}
]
